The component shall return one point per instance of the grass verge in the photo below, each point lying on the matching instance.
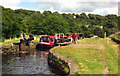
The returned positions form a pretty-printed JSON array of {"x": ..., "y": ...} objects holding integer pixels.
[
  {"x": 9, "y": 41},
  {"x": 89, "y": 59}
]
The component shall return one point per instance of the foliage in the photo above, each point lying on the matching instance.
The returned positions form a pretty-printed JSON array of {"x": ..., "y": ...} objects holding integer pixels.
[
  {"x": 87, "y": 33},
  {"x": 15, "y": 22},
  {"x": 2, "y": 39},
  {"x": 98, "y": 31},
  {"x": 107, "y": 31}
]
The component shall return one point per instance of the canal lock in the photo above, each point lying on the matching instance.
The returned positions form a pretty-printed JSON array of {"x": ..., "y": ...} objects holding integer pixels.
[{"x": 22, "y": 60}]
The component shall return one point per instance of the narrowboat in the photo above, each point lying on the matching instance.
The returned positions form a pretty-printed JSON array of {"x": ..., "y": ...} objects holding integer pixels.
[{"x": 47, "y": 42}]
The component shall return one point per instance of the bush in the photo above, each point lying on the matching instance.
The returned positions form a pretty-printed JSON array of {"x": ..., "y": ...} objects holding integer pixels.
[
  {"x": 99, "y": 32},
  {"x": 107, "y": 31},
  {"x": 87, "y": 34},
  {"x": 112, "y": 36},
  {"x": 2, "y": 39}
]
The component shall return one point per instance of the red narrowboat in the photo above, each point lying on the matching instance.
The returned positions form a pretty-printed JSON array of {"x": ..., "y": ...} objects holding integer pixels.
[{"x": 47, "y": 42}]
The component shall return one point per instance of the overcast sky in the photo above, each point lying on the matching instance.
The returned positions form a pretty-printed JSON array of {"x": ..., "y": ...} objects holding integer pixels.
[{"x": 102, "y": 7}]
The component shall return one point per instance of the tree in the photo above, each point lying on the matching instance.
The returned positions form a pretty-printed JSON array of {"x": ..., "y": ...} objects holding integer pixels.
[
  {"x": 107, "y": 31},
  {"x": 83, "y": 16},
  {"x": 87, "y": 33},
  {"x": 84, "y": 28},
  {"x": 15, "y": 22},
  {"x": 47, "y": 13},
  {"x": 110, "y": 24},
  {"x": 91, "y": 16},
  {"x": 98, "y": 31}
]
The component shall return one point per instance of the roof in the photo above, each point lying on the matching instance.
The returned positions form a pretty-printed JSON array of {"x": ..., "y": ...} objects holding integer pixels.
[
  {"x": 49, "y": 36},
  {"x": 55, "y": 36}
]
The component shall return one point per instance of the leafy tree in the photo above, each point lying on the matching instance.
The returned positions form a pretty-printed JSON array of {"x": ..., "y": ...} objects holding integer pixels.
[
  {"x": 107, "y": 31},
  {"x": 15, "y": 22},
  {"x": 87, "y": 33},
  {"x": 91, "y": 16},
  {"x": 84, "y": 28},
  {"x": 47, "y": 13},
  {"x": 110, "y": 24},
  {"x": 98, "y": 31},
  {"x": 83, "y": 16}
]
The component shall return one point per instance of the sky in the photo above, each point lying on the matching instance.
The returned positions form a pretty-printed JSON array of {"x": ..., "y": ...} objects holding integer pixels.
[{"x": 101, "y": 7}]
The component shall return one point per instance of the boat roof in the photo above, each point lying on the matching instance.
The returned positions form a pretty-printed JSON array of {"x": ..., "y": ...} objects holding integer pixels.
[
  {"x": 55, "y": 37},
  {"x": 49, "y": 36}
]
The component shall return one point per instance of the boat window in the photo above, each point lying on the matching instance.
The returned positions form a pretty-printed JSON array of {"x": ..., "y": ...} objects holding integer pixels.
[
  {"x": 52, "y": 39},
  {"x": 46, "y": 39},
  {"x": 42, "y": 38}
]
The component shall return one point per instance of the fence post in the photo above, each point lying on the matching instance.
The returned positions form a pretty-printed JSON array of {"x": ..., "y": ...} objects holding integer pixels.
[{"x": 105, "y": 36}]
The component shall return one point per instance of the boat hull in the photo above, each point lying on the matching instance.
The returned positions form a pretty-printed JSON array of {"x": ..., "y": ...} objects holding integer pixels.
[{"x": 42, "y": 47}]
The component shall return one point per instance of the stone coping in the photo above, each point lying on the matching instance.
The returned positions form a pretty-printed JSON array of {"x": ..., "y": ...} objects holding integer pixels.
[{"x": 72, "y": 64}]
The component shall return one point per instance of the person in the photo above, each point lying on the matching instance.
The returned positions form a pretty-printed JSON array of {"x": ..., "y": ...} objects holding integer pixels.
[
  {"x": 74, "y": 37},
  {"x": 67, "y": 34},
  {"x": 24, "y": 37},
  {"x": 31, "y": 37}
]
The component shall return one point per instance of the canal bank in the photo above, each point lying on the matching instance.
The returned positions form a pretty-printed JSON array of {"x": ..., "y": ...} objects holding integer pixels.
[
  {"x": 87, "y": 55},
  {"x": 83, "y": 58},
  {"x": 66, "y": 65}
]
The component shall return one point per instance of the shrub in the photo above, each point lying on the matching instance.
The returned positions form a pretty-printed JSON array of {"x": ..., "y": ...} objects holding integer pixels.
[
  {"x": 2, "y": 39},
  {"x": 87, "y": 33},
  {"x": 99, "y": 32}
]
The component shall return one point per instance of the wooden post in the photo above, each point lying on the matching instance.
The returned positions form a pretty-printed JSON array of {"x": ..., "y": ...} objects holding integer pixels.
[
  {"x": 105, "y": 36},
  {"x": 11, "y": 45}
]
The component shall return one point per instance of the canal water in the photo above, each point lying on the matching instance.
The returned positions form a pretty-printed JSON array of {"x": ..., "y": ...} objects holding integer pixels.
[{"x": 34, "y": 62}]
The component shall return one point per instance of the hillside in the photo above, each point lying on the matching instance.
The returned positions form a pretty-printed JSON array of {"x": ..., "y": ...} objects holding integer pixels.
[{"x": 15, "y": 22}]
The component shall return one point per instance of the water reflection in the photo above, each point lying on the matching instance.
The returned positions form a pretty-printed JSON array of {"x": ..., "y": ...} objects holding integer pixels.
[{"x": 34, "y": 62}]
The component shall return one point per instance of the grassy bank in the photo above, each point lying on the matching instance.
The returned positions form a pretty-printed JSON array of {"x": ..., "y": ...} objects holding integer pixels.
[
  {"x": 117, "y": 36},
  {"x": 88, "y": 56}
]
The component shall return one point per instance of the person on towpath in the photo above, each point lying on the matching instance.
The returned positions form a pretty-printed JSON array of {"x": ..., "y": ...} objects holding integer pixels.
[{"x": 74, "y": 37}]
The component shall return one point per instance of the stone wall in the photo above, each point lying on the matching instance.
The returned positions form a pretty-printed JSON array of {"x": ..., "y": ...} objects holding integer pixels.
[
  {"x": 116, "y": 40},
  {"x": 57, "y": 63},
  {"x": 61, "y": 61},
  {"x": 17, "y": 47},
  {"x": 10, "y": 49}
]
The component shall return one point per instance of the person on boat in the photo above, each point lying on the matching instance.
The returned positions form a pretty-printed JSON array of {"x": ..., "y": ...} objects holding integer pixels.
[
  {"x": 67, "y": 34},
  {"x": 31, "y": 37},
  {"x": 74, "y": 37}
]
